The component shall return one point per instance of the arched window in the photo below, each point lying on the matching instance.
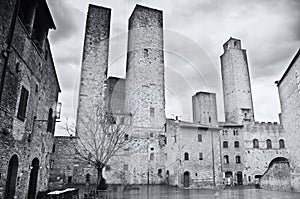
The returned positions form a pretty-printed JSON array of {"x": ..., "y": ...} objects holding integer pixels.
[
  {"x": 225, "y": 144},
  {"x": 269, "y": 144},
  {"x": 255, "y": 143},
  {"x": 226, "y": 159},
  {"x": 236, "y": 144},
  {"x": 281, "y": 144},
  {"x": 238, "y": 159},
  {"x": 186, "y": 156}
]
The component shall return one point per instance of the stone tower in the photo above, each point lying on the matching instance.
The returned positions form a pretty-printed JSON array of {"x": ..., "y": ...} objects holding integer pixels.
[
  {"x": 145, "y": 95},
  {"x": 94, "y": 62},
  {"x": 144, "y": 89},
  {"x": 238, "y": 104},
  {"x": 205, "y": 109}
]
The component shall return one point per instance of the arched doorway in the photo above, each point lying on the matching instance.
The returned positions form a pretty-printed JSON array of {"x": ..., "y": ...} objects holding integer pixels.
[
  {"x": 186, "y": 179},
  {"x": 167, "y": 177},
  {"x": 228, "y": 178},
  {"x": 33, "y": 178},
  {"x": 239, "y": 176},
  {"x": 12, "y": 171}
]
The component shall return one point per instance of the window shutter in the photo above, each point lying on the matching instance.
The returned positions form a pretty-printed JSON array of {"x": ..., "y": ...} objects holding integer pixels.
[{"x": 22, "y": 104}]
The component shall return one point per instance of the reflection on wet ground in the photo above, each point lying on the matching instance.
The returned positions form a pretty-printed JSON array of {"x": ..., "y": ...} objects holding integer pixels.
[{"x": 165, "y": 192}]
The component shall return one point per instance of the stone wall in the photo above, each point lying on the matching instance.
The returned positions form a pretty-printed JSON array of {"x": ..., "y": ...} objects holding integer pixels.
[
  {"x": 258, "y": 159},
  {"x": 62, "y": 161},
  {"x": 289, "y": 95},
  {"x": 32, "y": 68},
  {"x": 115, "y": 95},
  {"x": 277, "y": 177}
]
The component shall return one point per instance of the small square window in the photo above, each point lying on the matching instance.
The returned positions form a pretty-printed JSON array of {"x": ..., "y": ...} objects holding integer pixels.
[{"x": 199, "y": 138}]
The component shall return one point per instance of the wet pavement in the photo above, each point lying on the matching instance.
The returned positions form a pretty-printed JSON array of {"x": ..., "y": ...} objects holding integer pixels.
[{"x": 167, "y": 192}]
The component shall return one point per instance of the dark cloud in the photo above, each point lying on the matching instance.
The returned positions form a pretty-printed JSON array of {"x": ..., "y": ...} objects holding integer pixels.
[{"x": 66, "y": 20}]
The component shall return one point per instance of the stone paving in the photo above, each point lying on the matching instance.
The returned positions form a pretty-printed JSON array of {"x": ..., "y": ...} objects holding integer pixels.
[{"x": 167, "y": 192}]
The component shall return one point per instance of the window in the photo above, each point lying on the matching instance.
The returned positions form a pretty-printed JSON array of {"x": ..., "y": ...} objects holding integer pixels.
[
  {"x": 88, "y": 178},
  {"x": 269, "y": 144},
  {"x": 107, "y": 167},
  {"x": 238, "y": 159},
  {"x": 225, "y": 132},
  {"x": 255, "y": 143},
  {"x": 225, "y": 144},
  {"x": 159, "y": 172},
  {"x": 209, "y": 119},
  {"x": 51, "y": 164},
  {"x": 235, "y": 132},
  {"x": 22, "y": 104},
  {"x": 151, "y": 112},
  {"x": 146, "y": 53},
  {"x": 122, "y": 120},
  {"x": 69, "y": 179},
  {"x": 152, "y": 149},
  {"x": 126, "y": 137},
  {"x": 199, "y": 138},
  {"x": 151, "y": 135},
  {"x": 281, "y": 144},
  {"x": 53, "y": 148},
  {"x": 236, "y": 144},
  {"x": 26, "y": 13},
  {"x": 151, "y": 156},
  {"x": 186, "y": 156},
  {"x": 200, "y": 156},
  {"x": 125, "y": 167},
  {"x": 50, "y": 121},
  {"x": 226, "y": 159},
  {"x": 166, "y": 156}
]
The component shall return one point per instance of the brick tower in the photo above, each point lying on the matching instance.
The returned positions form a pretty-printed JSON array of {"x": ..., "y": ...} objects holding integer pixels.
[
  {"x": 94, "y": 62},
  {"x": 238, "y": 104}
]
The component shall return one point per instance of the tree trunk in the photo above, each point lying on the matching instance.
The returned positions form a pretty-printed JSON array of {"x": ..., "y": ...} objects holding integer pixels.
[{"x": 101, "y": 182}]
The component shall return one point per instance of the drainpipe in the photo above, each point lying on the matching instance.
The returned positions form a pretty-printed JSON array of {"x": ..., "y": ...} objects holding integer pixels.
[{"x": 7, "y": 51}]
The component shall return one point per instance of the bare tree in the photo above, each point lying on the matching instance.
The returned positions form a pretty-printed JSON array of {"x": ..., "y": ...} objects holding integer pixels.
[{"x": 101, "y": 136}]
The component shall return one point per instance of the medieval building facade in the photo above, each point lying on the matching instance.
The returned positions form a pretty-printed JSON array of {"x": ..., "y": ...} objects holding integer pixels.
[
  {"x": 203, "y": 153},
  {"x": 28, "y": 98}
]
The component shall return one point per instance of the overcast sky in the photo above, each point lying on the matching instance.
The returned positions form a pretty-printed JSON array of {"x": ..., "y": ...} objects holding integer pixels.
[{"x": 195, "y": 31}]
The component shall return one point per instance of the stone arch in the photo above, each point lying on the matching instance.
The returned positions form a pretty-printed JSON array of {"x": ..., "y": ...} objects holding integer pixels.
[
  {"x": 278, "y": 160},
  {"x": 12, "y": 171},
  {"x": 34, "y": 170}
]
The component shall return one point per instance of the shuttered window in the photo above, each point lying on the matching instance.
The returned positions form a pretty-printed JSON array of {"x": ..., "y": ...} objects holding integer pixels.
[{"x": 23, "y": 104}]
